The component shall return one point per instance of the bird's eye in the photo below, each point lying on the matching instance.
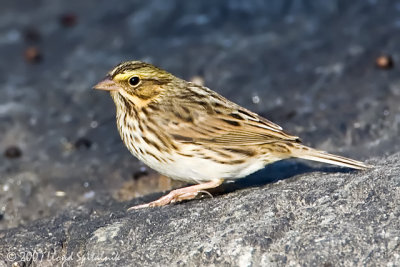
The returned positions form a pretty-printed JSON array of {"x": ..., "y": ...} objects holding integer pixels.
[{"x": 134, "y": 80}]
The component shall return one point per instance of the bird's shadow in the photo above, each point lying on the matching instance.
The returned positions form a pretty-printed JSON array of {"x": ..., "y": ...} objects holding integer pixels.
[
  {"x": 271, "y": 173},
  {"x": 274, "y": 172}
]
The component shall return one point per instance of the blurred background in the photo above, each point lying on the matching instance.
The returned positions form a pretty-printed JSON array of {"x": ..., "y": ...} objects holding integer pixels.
[{"x": 326, "y": 71}]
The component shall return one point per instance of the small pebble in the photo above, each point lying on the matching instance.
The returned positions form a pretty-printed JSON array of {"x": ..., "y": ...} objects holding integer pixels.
[
  {"x": 94, "y": 124},
  {"x": 32, "y": 55},
  {"x": 140, "y": 173},
  {"x": 143, "y": 169},
  {"x": 89, "y": 194},
  {"x": 83, "y": 143},
  {"x": 384, "y": 62},
  {"x": 68, "y": 20},
  {"x": 60, "y": 194},
  {"x": 386, "y": 112},
  {"x": 197, "y": 80},
  {"x": 13, "y": 152},
  {"x": 255, "y": 99}
]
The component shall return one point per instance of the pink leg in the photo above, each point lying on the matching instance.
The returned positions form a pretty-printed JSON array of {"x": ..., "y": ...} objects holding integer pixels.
[{"x": 180, "y": 194}]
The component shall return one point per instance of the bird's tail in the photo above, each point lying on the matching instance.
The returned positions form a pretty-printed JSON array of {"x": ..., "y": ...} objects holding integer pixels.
[{"x": 309, "y": 153}]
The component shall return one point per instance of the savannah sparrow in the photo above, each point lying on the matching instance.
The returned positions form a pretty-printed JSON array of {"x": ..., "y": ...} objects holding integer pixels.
[{"x": 190, "y": 133}]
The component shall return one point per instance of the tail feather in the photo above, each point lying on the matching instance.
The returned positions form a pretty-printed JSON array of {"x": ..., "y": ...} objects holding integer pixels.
[{"x": 305, "y": 152}]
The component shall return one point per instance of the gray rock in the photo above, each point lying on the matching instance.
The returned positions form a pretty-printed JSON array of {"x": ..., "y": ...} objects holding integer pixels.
[{"x": 317, "y": 218}]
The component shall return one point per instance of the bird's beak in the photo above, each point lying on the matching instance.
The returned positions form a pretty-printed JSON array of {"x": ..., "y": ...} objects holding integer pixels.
[{"x": 107, "y": 84}]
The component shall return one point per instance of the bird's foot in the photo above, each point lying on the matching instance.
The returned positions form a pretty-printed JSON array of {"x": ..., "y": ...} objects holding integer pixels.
[{"x": 177, "y": 195}]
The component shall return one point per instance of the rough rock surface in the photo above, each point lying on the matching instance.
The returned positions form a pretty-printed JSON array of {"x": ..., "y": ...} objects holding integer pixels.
[
  {"x": 310, "y": 66},
  {"x": 317, "y": 218}
]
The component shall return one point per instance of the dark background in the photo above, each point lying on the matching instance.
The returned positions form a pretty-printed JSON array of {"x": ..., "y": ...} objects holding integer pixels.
[{"x": 309, "y": 66}]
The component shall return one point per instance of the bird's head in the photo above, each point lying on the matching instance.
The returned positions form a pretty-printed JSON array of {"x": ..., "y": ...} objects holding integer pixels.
[{"x": 138, "y": 82}]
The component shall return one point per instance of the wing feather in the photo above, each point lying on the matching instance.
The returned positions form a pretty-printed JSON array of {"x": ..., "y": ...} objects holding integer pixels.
[{"x": 203, "y": 116}]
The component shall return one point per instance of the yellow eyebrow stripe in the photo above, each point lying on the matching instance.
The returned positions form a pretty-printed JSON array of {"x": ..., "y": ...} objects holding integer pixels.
[{"x": 122, "y": 76}]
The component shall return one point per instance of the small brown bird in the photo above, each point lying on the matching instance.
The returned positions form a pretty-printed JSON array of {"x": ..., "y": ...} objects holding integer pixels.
[{"x": 190, "y": 133}]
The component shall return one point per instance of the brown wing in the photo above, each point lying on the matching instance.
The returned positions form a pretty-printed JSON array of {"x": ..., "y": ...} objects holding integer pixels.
[{"x": 219, "y": 122}]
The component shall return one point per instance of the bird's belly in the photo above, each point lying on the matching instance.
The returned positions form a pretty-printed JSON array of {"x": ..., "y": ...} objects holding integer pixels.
[{"x": 198, "y": 170}]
